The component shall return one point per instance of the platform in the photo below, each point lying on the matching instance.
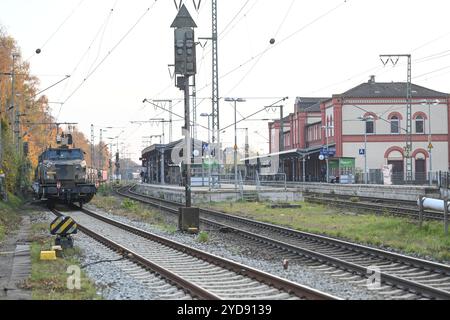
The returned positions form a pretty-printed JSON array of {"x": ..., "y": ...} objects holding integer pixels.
[
  {"x": 226, "y": 193},
  {"x": 293, "y": 192}
]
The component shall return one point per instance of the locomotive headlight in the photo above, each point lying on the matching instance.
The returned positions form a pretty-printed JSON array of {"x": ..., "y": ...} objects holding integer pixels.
[
  {"x": 49, "y": 164},
  {"x": 83, "y": 164},
  {"x": 50, "y": 175}
]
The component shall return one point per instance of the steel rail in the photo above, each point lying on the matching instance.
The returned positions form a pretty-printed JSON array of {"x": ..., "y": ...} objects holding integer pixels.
[
  {"x": 290, "y": 287},
  {"x": 407, "y": 207},
  {"x": 376, "y": 208},
  {"x": 402, "y": 283},
  {"x": 192, "y": 288}
]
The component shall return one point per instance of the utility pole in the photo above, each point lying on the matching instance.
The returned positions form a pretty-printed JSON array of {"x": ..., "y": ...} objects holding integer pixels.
[
  {"x": 194, "y": 107},
  {"x": 92, "y": 147},
  {"x": 281, "y": 129},
  {"x": 215, "y": 98},
  {"x": 170, "y": 116},
  {"x": 13, "y": 101},
  {"x": 235, "y": 100},
  {"x": 157, "y": 120},
  {"x": 394, "y": 58},
  {"x": 327, "y": 128},
  {"x": 100, "y": 151},
  {"x": 110, "y": 162},
  {"x": 215, "y": 86}
]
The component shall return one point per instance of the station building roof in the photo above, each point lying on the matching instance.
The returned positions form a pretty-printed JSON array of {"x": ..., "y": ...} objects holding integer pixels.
[
  {"x": 287, "y": 153},
  {"x": 308, "y": 104},
  {"x": 168, "y": 146},
  {"x": 374, "y": 89}
]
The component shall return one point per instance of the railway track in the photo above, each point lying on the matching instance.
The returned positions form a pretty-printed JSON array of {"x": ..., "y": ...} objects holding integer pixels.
[
  {"x": 401, "y": 208},
  {"x": 402, "y": 277},
  {"x": 201, "y": 275}
]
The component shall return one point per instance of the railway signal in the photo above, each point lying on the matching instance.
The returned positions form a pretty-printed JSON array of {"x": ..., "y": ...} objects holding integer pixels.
[{"x": 185, "y": 67}]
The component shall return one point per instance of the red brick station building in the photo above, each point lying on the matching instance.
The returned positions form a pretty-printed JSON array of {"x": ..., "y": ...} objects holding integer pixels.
[{"x": 372, "y": 113}]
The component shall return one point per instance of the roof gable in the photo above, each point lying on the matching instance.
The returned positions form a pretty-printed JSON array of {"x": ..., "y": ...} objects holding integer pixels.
[{"x": 308, "y": 104}]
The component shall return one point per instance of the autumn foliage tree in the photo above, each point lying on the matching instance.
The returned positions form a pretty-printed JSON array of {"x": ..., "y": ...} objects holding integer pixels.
[{"x": 36, "y": 124}]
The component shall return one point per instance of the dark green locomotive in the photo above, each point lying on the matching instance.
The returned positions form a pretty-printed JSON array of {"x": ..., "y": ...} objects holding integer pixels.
[{"x": 61, "y": 176}]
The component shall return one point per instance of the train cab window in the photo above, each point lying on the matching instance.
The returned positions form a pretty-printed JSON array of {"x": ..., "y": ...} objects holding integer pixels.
[{"x": 65, "y": 154}]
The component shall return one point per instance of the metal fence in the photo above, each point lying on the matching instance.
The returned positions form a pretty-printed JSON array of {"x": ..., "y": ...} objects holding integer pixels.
[
  {"x": 278, "y": 180},
  {"x": 375, "y": 176}
]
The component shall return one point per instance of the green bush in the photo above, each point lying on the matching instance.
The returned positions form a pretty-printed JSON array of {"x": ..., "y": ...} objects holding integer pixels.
[
  {"x": 203, "y": 237},
  {"x": 129, "y": 204},
  {"x": 354, "y": 199}
]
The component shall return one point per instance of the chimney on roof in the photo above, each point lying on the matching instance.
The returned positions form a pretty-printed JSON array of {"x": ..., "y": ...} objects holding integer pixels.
[{"x": 372, "y": 79}]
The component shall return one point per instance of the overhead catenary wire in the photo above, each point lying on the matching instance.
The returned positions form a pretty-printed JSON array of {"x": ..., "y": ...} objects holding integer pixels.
[
  {"x": 378, "y": 67},
  {"x": 263, "y": 52},
  {"x": 84, "y": 55},
  {"x": 108, "y": 19},
  {"x": 110, "y": 52},
  {"x": 58, "y": 28},
  {"x": 222, "y": 34},
  {"x": 283, "y": 21}
]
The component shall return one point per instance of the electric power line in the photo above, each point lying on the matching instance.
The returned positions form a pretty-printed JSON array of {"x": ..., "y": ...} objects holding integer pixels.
[
  {"x": 57, "y": 29},
  {"x": 109, "y": 53}
]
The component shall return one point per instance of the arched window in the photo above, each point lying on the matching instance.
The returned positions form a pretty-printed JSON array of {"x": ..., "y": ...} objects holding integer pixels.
[
  {"x": 370, "y": 126},
  {"x": 395, "y": 124},
  {"x": 420, "y": 128}
]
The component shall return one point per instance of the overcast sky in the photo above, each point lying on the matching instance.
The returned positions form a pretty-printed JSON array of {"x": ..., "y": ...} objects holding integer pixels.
[{"x": 322, "y": 48}]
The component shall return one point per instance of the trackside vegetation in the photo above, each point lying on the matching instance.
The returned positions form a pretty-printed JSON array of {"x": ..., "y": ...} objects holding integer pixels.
[
  {"x": 382, "y": 231},
  {"x": 48, "y": 280},
  {"x": 9, "y": 218}
]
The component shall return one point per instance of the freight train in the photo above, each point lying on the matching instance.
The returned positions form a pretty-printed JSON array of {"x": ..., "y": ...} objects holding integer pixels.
[{"x": 62, "y": 176}]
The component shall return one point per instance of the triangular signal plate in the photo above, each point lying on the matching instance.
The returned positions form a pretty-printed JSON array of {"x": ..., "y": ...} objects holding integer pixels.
[{"x": 183, "y": 19}]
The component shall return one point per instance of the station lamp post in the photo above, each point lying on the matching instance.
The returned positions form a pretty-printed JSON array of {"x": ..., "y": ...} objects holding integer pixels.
[
  {"x": 235, "y": 100},
  {"x": 365, "y": 119},
  {"x": 207, "y": 115},
  {"x": 430, "y": 144},
  {"x": 326, "y": 128}
]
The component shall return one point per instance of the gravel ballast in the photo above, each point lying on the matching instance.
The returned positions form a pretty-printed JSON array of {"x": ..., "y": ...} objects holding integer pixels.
[
  {"x": 111, "y": 278},
  {"x": 231, "y": 247}
]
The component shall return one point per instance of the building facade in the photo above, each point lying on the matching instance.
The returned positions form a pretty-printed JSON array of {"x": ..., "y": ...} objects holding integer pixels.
[{"x": 367, "y": 123}]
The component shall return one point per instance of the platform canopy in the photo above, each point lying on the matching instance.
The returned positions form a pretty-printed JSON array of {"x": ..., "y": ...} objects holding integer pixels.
[{"x": 292, "y": 152}]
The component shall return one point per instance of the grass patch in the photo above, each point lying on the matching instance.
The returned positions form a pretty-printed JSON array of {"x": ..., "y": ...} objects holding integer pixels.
[
  {"x": 48, "y": 280},
  {"x": 394, "y": 232},
  {"x": 129, "y": 204},
  {"x": 105, "y": 190},
  {"x": 9, "y": 217},
  {"x": 133, "y": 210},
  {"x": 203, "y": 237}
]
